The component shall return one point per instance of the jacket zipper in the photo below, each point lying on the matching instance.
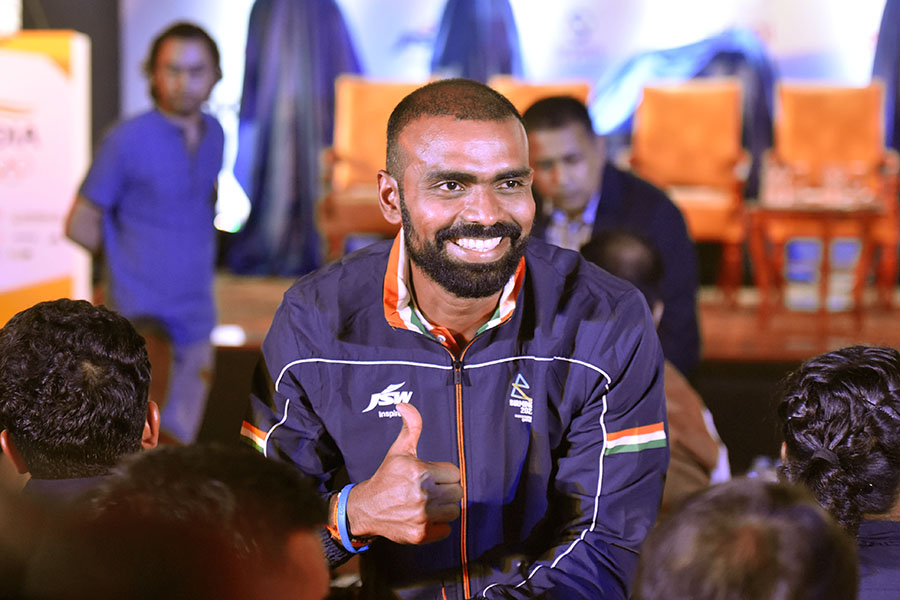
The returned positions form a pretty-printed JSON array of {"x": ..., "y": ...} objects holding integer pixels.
[
  {"x": 461, "y": 451},
  {"x": 460, "y": 445}
]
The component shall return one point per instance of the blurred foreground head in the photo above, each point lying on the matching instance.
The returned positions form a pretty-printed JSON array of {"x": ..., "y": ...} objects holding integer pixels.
[
  {"x": 748, "y": 539},
  {"x": 191, "y": 522}
]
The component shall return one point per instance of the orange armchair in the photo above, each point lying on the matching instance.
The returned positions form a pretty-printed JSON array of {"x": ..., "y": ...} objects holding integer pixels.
[
  {"x": 687, "y": 140},
  {"x": 523, "y": 94},
  {"x": 823, "y": 133},
  {"x": 350, "y": 201}
]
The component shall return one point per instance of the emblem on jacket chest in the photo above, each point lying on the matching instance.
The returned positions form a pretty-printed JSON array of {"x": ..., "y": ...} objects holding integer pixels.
[
  {"x": 519, "y": 398},
  {"x": 389, "y": 396}
]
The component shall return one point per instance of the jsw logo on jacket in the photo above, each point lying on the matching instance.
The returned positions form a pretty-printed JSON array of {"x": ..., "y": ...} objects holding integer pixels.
[{"x": 390, "y": 396}]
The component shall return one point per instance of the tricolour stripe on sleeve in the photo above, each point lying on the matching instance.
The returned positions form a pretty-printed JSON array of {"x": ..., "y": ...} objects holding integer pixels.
[
  {"x": 636, "y": 439},
  {"x": 255, "y": 436}
]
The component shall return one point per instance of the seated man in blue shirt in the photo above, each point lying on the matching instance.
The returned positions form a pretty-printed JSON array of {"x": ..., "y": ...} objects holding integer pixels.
[
  {"x": 148, "y": 202},
  {"x": 580, "y": 193}
]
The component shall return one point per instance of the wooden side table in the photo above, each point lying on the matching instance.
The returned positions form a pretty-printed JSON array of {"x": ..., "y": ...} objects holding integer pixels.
[{"x": 770, "y": 229}]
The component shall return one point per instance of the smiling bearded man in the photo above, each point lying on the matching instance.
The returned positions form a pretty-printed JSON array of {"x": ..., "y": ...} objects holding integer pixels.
[
  {"x": 464, "y": 279},
  {"x": 483, "y": 412}
]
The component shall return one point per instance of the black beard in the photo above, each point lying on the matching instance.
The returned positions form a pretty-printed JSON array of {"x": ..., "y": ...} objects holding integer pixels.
[{"x": 462, "y": 279}]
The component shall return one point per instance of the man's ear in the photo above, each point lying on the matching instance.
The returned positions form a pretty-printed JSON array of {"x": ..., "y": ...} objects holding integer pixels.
[
  {"x": 150, "y": 438},
  {"x": 12, "y": 453},
  {"x": 389, "y": 198},
  {"x": 783, "y": 452}
]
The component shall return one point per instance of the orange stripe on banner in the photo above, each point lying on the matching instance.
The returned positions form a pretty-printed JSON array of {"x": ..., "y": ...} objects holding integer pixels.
[
  {"x": 18, "y": 299},
  {"x": 57, "y": 45},
  {"x": 16, "y": 111},
  {"x": 636, "y": 431}
]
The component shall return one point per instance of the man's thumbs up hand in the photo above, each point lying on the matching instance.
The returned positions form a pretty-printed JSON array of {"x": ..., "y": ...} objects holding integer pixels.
[
  {"x": 408, "y": 439},
  {"x": 406, "y": 500}
]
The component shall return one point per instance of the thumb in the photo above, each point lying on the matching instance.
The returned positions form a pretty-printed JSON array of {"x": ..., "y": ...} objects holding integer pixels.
[{"x": 408, "y": 438}]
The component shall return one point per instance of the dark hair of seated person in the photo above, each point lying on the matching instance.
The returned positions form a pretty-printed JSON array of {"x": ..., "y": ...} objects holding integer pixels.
[
  {"x": 74, "y": 380},
  {"x": 840, "y": 415},
  {"x": 629, "y": 256}
]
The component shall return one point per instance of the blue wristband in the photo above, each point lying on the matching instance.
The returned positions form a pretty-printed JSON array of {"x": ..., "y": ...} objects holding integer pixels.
[{"x": 343, "y": 530}]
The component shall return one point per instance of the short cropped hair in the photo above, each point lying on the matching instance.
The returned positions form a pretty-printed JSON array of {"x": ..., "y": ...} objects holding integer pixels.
[
  {"x": 629, "y": 256},
  {"x": 556, "y": 112},
  {"x": 748, "y": 539},
  {"x": 186, "y": 31},
  {"x": 74, "y": 380},
  {"x": 253, "y": 502},
  {"x": 840, "y": 415},
  {"x": 463, "y": 99}
]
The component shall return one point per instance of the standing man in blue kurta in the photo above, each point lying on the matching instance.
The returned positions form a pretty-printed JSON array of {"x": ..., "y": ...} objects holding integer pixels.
[{"x": 148, "y": 204}]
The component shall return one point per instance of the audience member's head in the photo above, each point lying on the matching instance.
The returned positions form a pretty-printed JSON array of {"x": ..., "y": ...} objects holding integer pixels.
[
  {"x": 557, "y": 112},
  {"x": 183, "y": 65},
  {"x": 748, "y": 539},
  {"x": 631, "y": 257},
  {"x": 73, "y": 390},
  {"x": 116, "y": 556},
  {"x": 840, "y": 414},
  {"x": 263, "y": 511},
  {"x": 566, "y": 155}
]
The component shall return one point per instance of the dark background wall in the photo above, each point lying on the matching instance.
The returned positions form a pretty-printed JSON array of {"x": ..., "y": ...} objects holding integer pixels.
[
  {"x": 743, "y": 398},
  {"x": 99, "y": 20}
]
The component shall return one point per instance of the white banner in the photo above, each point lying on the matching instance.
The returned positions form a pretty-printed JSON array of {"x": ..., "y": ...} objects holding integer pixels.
[{"x": 44, "y": 152}]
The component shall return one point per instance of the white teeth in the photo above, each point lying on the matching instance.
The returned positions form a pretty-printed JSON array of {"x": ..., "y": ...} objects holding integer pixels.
[{"x": 478, "y": 244}]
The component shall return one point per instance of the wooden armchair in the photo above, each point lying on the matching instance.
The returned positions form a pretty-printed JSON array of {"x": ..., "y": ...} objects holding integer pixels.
[
  {"x": 687, "y": 140},
  {"x": 523, "y": 94},
  {"x": 829, "y": 146},
  {"x": 349, "y": 203}
]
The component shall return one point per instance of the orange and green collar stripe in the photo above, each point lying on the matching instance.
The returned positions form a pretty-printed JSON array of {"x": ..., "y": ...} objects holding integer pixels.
[
  {"x": 636, "y": 439},
  {"x": 400, "y": 308}
]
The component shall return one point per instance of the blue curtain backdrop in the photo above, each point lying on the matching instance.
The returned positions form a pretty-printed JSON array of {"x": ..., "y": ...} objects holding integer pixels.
[
  {"x": 295, "y": 50},
  {"x": 735, "y": 52},
  {"x": 887, "y": 67},
  {"x": 477, "y": 39}
]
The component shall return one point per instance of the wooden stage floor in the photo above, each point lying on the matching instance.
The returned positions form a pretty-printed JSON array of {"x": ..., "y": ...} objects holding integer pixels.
[{"x": 729, "y": 334}]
